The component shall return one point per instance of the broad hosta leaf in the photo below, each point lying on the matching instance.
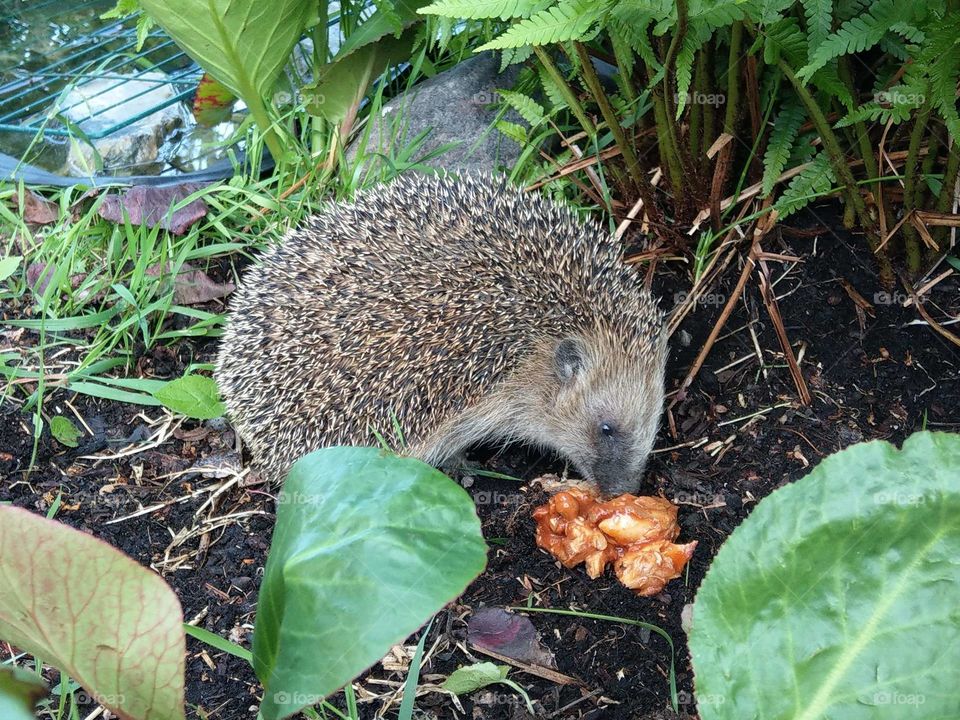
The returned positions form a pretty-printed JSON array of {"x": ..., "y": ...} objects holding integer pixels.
[
  {"x": 243, "y": 43},
  {"x": 19, "y": 693},
  {"x": 94, "y": 613},
  {"x": 367, "y": 546},
  {"x": 195, "y": 396},
  {"x": 836, "y": 597}
]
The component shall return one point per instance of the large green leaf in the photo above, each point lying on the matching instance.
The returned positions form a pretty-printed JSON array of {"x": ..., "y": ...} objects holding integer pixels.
[
  {"x": 94, "y": 613},
  {"x": 341, "y": 84},
  {"x": 367, "y": 546},
  {"x": 243, "y": 43},
  {"x": 837, "y": 597}
]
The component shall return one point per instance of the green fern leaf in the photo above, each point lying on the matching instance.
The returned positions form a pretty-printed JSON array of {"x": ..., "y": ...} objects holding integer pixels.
[
  {"x": 813, "y": 182},
  {"x": 555, "y": 98},
  {"x": 819, "y": 14},
  {"x": 717, "y": 13},
  {"x": 697, "y": 36},
  {"x": 633, "y": 29},
  {"x": 512, "y": 56},
  {"x": 941, "y": 57},
  {"x": 782, "y": 137},
  {"x": 785, "y": 39},
  {"x": 861, "y": 32},
  {"x": 515, "y": 132},
  {"x": 568, "y": 20},
  {"x": 480, "y": 9},
  {"x": 528, "y": 108}
]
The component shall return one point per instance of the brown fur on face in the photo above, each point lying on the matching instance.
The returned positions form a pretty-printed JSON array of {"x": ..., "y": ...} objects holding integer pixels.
[
  {"x": 459, "y": 310},
  {"x": 585, "y": 396}
]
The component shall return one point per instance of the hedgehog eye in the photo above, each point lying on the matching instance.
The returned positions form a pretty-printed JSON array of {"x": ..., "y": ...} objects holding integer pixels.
[{"x": 608, "y": 430}]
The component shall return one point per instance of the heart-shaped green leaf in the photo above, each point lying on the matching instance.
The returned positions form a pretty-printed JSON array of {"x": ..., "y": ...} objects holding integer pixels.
[
  {"x": 367, "y": 547},
  {"x": 195, "y": 396},
  {"x": 97, "y": 615},
  {"x": 836, "y": 598}
]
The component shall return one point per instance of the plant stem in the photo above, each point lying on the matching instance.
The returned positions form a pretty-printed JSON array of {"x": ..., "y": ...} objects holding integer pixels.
[
  {"x": 568, "y": 95},
  {"x": 733, "y": 87},
  {"x": 910, "y": 237},
  {"x": 613, "y": 124}
]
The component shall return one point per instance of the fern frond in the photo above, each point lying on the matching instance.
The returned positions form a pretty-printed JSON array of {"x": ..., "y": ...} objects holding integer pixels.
[
  {"x": 633, "y": 29},
  {"x": 813, "y": 182},
  {"x": 512, "y": 56},
  {"x": 819, "y": 15},
  {"x": 782, "y": 137},
  {"x": 698, "y": 34},
  {"x": 567, "y": 20},
  {"x": 941, "y": 58},
  {"x": 528, "y": 108},
  {"x": 785, "y": 39},
  {"x": 769, "y": 12},
  {"x": 515, "y": 132},
  {"x": 550, "y": 89},
  {"x": 480, "y": 9},
  {"x": 717, "y": 13},
  {"x": 861, "y": 32}
]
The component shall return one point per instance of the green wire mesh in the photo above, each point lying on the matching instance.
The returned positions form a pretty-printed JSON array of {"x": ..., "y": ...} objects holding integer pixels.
[{"x": 83, "y": 49}]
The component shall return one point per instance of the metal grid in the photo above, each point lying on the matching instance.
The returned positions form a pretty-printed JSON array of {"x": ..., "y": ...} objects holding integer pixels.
[{"x": 107, "y": 53}]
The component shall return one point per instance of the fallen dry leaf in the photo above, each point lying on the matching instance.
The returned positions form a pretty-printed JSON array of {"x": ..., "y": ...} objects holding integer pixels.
[
  {"x": 36, "y": 210},
  {"x": 508, "y": 634},
  {"x": 150, "y": 206}
]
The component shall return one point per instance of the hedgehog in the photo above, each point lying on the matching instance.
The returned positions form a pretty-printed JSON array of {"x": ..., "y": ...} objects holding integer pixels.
[{"x": 444, "y": 313}]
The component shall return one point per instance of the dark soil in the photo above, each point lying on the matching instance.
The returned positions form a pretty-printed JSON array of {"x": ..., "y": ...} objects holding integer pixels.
[{"x": 872, "y": 375}]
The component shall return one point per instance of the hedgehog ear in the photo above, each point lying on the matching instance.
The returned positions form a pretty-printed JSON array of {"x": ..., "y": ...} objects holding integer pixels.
[{"x": 569, "y": 359}]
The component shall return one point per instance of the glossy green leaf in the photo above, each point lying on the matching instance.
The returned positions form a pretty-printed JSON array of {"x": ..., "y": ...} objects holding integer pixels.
[
  {"x": 367, "y": 547},
  {"x": 195, "y": 396},
  {"x": 243, "y": 43},
  {"x": 19, "y": 693},
  {"x": 64, "y": 431},
  {"x": 468, "y": 678},
  {"x": 836, "y": 597},
  {"x": 94, "y": 613},
  {"x": 9, "y": 265}
]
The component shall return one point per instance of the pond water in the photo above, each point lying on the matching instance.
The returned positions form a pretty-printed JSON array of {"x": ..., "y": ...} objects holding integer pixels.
[{"x": 78, "y": 98}]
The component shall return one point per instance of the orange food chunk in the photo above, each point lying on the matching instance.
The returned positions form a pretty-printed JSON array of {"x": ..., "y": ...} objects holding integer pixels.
[{"x": 634, "y": 533}]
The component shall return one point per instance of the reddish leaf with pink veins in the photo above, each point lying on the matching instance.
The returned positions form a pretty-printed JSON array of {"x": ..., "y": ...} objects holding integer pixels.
[{"x": 94, "y": 613}]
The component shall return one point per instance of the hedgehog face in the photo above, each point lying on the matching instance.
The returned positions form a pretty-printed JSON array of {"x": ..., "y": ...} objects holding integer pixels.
[{"x": 606, "y": 411}]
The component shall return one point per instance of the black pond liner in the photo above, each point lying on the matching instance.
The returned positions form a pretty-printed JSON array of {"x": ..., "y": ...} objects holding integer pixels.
[{"x": 13, "y": 170}]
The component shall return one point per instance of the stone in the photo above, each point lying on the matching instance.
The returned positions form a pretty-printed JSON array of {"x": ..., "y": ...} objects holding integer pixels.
[
  {"x": 454, "y": 107},
  {"x": 100, "y": 103}
]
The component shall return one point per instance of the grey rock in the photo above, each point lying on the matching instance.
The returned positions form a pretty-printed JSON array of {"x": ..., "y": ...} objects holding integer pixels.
[
  {"x": 98, "y": 104},
  {"x": 453, "y": 106}
]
